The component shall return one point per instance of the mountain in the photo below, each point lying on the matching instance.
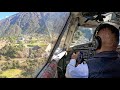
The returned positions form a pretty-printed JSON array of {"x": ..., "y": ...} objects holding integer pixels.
[
  {"x": 82, "y": 35},
  {"x": 33, "y": 22}
]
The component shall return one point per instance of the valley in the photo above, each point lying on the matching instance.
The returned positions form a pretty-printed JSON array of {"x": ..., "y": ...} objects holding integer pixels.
[
  {"x": 24, "y": 54},
  {"x": 26, "y": 41}
]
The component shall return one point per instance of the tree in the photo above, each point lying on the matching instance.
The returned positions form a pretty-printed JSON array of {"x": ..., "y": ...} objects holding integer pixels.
[
  {"x": 15, "y": 64},
  {"x": 11, "y": 51}
]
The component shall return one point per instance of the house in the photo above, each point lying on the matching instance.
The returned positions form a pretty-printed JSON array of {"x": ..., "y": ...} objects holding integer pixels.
[
  {"x": 20, "y": 39},
  {"x": 36, "y": 47}
]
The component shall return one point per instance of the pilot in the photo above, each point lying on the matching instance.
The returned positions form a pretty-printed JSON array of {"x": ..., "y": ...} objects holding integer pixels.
[{"x": 106, "y": 62}]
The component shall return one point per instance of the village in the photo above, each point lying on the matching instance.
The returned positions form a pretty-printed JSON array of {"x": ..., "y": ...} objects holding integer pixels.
[{"x": 22, "y": 55}]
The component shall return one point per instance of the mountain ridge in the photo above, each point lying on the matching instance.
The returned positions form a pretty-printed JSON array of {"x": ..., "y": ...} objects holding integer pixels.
[{"x": 32, "y": 22}]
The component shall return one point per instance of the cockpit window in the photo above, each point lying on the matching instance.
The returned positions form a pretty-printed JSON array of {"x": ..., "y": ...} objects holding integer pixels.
[
  {"x": 26, "y": 41},
  {"x": 82, "y": 35}
]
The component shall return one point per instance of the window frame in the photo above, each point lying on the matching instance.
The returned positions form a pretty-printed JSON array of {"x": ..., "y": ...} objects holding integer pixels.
[
  {"x": 56, "y": 45},
  {"x": 91, "y": 39}
]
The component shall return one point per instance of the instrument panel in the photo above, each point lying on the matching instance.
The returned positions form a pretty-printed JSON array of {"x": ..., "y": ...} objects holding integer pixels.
[{"x": 87, "y": 50}]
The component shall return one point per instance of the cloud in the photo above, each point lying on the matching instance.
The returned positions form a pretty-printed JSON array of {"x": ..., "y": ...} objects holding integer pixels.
[{"x": 6, "y": 16}]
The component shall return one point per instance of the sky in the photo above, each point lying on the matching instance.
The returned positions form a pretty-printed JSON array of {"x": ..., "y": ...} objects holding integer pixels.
[{"x": 6, "y": 14}]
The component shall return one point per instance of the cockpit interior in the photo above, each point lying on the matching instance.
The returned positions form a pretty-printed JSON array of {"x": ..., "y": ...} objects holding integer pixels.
[{"x": 77, "y": 35}]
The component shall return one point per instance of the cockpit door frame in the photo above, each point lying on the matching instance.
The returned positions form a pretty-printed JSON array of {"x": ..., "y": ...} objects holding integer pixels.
[{"x": 72, "y": 28}]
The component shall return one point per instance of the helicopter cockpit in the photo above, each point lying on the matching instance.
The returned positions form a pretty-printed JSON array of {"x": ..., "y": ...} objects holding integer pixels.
[{"x": 77, "y": 35}]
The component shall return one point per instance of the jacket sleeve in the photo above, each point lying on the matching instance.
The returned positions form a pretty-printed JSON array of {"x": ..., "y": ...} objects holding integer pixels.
[{"x": 81, "y": 71}]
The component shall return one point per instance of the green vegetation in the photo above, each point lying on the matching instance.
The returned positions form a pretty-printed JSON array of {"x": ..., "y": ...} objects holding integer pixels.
[
  {"x": 12, "y": 39},
  {"x": 37, "y": 43},
  {"x": 10, "y": 65},
  {"x": 11, "y": 73},
  {"x": 21, "y": 58},
  {"x": 11, "y": 51}
]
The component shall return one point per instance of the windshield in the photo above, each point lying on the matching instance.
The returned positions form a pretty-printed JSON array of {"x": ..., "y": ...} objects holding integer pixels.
[
  {"x": 82, "y": 35},
  {"x": 27, "y": 39}
]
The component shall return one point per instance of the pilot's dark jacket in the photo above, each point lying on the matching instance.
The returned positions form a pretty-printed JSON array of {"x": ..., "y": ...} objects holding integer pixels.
[{"x": 104, "y": 65}]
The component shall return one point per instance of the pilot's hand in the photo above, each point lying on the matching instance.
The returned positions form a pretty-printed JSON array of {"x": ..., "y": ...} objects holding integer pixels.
[{"x": 75, "y": 56}]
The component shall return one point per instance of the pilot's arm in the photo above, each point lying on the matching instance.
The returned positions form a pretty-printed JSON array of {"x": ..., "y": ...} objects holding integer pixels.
[{"x": 81, "y": 71}]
